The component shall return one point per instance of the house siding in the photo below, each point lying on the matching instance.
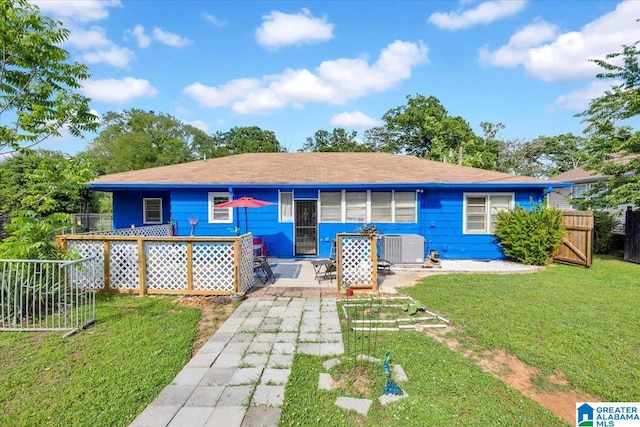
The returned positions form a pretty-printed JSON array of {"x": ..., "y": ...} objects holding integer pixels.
[
  {"x": 128, "y": 207},
  {"x": 439, "y": 218}
]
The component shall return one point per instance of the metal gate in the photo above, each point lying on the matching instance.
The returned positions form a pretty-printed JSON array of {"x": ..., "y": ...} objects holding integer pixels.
[
  {"x": 577, "y": 243},
  {"x": 306, "y": 227},
  {"x": 632, "y": 236},
  {"x": 47, "y": 295}
]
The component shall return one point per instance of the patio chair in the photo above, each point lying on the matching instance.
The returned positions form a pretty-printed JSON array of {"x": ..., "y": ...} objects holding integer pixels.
[{"x": 262, "y": 270}]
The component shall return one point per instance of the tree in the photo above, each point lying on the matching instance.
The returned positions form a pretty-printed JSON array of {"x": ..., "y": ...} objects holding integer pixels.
[
  {"x": 614, "y": 147},
  {"x": 137, "y": 139},
  {"x": 38, "y": 85},
  {"x": 424, "y": 128},
  {"x": 43, "y": 182},
  {"x": 241, "y": 139},
  {"x": 337, "y": 140}
]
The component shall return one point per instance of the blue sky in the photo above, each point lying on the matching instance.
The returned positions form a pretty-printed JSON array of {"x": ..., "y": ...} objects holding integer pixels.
[{"x": 296, "y": 67}]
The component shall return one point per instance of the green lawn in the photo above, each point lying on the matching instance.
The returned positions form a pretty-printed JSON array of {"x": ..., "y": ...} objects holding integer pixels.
[
  {"x": 580, "y": 323},
  {"x": 103, "y": 376}
]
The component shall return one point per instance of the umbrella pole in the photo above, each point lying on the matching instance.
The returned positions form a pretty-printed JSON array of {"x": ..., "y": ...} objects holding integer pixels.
[{"x": 246, "y": 221}]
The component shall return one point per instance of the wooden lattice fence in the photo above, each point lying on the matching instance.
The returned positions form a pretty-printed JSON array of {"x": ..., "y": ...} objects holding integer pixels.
[
  {"x": 168, "y": 265},
  {"x": 357, "y": 261}
]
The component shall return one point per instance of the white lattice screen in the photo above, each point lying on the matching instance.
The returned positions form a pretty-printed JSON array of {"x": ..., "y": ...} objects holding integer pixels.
[
  {"x": 88, "y": 249},
  {"x": 246, "y": 263},
  {"x": 148, "y": 231},
  {"x": 213, "y": 266},
  {"x": 356, "y": 260},
  {"x": 123, "y": 265},
  {"x": 166, "y": 265}
]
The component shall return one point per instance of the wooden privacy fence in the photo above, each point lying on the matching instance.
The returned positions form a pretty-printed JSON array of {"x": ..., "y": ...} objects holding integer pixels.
[
  {"x": 167, "y": 264},
  {"x": 577, "y": 243},
  {"x": 632, "y": 236},
  {"x": 357, "y": 261}
]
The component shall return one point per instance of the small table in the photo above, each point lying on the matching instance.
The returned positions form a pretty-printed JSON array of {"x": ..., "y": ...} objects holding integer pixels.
[{"x": 324, "y": 268}]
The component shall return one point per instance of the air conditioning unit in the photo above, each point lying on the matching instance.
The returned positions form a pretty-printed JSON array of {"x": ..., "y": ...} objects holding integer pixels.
[{"x": 402, "y": 248}]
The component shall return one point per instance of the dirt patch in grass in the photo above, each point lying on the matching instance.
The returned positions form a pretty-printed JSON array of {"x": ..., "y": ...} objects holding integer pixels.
[
  {"x": 215, "y": 310},
  {"x": 551, "y": 391}
]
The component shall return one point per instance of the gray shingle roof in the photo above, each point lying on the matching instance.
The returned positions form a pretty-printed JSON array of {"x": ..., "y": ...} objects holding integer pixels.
[{"x": 314, "y": 168}]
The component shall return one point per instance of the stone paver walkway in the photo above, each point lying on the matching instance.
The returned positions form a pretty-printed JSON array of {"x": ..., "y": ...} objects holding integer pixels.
[{"x": 238, "y": 377}]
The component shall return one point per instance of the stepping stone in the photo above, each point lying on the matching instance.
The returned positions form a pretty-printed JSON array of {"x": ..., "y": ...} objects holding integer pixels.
[
  {"x": 389, "y": 398},
  {"x": 359, "y": 405},
  {"x": 328, "y": 364},
  {"x": 325, "y": 382},
  {"x": 367, "y": 358}
]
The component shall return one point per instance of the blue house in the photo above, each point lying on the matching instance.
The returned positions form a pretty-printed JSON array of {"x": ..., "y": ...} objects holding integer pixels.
[{"x": 314, "y": 196}]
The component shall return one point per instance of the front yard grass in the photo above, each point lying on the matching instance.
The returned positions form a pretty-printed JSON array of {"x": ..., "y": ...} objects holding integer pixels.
[
  {"x": 103, "y": 376},
  {"x": 580, "y": 324}
]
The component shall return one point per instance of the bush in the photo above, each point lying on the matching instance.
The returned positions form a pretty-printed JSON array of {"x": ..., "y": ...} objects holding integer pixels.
[
  {"x": 530, "y": 236},
  {"x": 604, "y": 223}
]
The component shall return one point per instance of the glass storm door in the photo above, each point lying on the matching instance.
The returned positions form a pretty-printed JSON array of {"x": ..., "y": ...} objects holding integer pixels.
[{"x": 306, "y": 227}]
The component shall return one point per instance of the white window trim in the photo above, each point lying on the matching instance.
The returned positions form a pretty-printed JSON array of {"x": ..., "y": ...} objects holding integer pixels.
[
  {"x": 144, "y": 210},
  {"x": 343, "y": 207},
  {"x": 465, "y": 196},
  {"x": 280, "y": 217},
  {"x": 211, "y": 196}
]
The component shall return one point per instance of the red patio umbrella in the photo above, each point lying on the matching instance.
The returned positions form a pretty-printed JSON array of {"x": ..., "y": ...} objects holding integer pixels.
[{"x": 244, "y": 202}]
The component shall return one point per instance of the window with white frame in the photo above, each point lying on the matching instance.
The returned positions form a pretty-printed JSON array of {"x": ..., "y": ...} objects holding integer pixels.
[
  {"x": 481, "y": 211},
  {"x": 578, "y": 190},
  {"x": 152, "y": 211},
  {"x": 356, "y": 207},
  {"x": 404, "y": 206},
  {"x": 368, "y": 206},
  {"x": 286, "y": 206},
  {"x": 330, "y": 207},
  {"x": 382, "y": 206},
  {"x": 219, "y": 215}
]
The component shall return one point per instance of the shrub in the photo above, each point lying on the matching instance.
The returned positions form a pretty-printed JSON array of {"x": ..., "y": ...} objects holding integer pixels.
[
  {"x": 530, "y": 236},
  {"x": 604, "y": 223}
]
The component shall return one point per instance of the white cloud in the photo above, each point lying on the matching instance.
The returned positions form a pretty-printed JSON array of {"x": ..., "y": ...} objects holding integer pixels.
[
  {"x": 223, "y": 95},
  {"x": 333, "y": 82},
  {"x": 353, "y": 120},
  {"x": 566, "y": 56},
  {"x": 118, "y": 91},
  {"x": 579, "y": 99},
  {"x": 79, "y": 11},
  {"x": 280, "y": 29},
  {"x": 142, "y": 39},
  {"x": 170, "y": 39},
  {"x": 214, "y": 20},
  {"x": 115, "y": 56},
  {"x": 199, "y": 124},
  {"x": 515, "y": 52},
  {"x": 88, "y": 38},
  {"x": 484, "y": 13}
]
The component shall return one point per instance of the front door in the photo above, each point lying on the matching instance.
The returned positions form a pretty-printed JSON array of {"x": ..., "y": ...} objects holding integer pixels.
[{"x": 306, "y": 227}]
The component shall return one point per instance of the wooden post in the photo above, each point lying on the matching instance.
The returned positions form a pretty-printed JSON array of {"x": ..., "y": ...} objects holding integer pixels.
[
  {"x": 190, "y": 266},
  {"x": 142, "y": 268},
  {"x": 107, "y": 268},
  {"x": 339, "y": 261},
  {"x": 374, "y": 262},
  {"x": 236, "y": 265}
]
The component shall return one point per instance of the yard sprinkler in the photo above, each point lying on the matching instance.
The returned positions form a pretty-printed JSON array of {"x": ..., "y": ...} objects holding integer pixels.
[{"x": 193, "y": 222}]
